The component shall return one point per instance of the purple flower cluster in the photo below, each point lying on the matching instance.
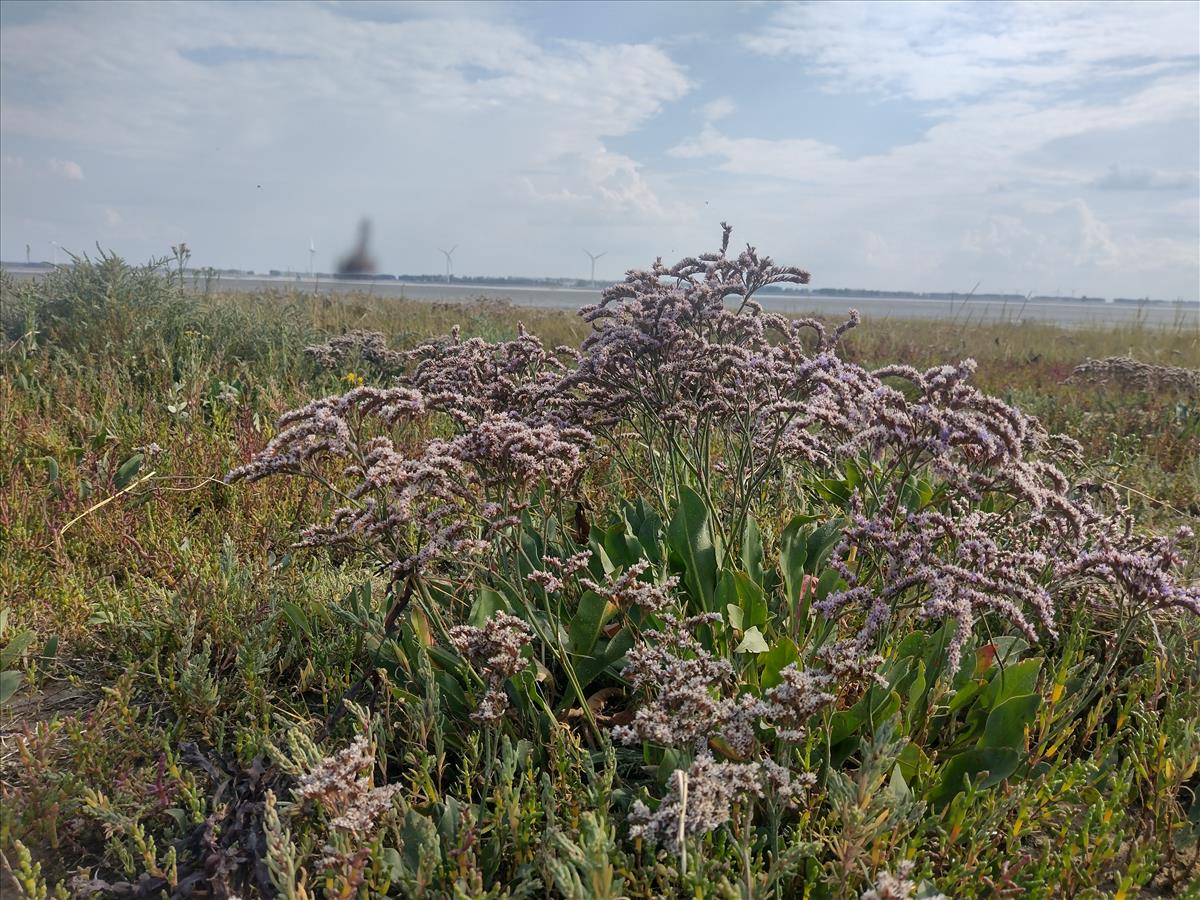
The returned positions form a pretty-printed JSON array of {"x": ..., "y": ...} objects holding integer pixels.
[
  {"x": 701, "y": 798},
  {"x": 627, "y": 589},
  {"x": 1128, "y": 373},
  {"x": 445, "y": 499},
  {"x": 685, "y": 379},
  {"x": 693, "y": 696},
  {"x": 495, "y": 649},
  {"x": 949, "y": 565},
  {"x": 369, "y": 346}
]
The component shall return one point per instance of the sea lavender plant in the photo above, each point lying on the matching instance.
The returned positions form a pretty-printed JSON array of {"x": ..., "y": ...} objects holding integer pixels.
[
  {"x": 1133, "y": 374},
  {"x": 495, "y": 650},
  {"x": 702, "y": 798}
]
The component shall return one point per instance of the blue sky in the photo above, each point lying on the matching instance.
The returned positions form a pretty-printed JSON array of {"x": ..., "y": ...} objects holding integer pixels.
[{"x": 929, "y": 146}]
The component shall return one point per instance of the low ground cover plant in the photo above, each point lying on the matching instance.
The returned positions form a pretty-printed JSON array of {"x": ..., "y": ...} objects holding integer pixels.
[{"x": 697, "y": 604}]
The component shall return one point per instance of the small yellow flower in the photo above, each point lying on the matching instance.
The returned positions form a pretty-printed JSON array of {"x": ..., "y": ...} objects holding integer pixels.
[{"x": 353, "y": 379}]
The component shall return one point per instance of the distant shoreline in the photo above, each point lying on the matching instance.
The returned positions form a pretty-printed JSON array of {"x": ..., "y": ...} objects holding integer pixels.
[{"x": 1061, "y": 311}]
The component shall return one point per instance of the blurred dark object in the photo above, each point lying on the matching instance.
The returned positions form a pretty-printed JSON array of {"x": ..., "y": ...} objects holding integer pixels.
[{"x": 359, "y": 263}]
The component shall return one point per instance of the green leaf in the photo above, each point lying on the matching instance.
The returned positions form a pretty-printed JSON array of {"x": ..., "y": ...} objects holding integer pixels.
[
  {"x": 646, "y": 525},
  {"x": 963, "y": 696},
  {"x": 486, "y": 605},
  {"x": 1013, "y": 681},
  {"x": 829, "y": 581},
  {"x": 16, "y": 648},
  {"x": 690, "y": 538},
  {"x": 295, "y": 615},
  {"x": 916, "y": 697},
  {"x": 9, "y": 682},
  {"x": 1007, "y": 722},
  {"x": 589, "y": 668},
  {"x": 752, "y": 552},
  {"x": 127, "y": 471},
  {"x": 622, "y": 547},
  {"x": 585, "y": 626},
  {"x": 998, "y": 763},
  {"x": 737, "y": 589},
  {"x": 821, "y": 542},
  {"x": 913, "y": 762},
  {"x": 752, "y": 642},
  {"x": 897, "y": 786},
  {"x": 778, "y": 658},
  {"x": 51, "y": 465},
  {"x": 793, "y": 551}
]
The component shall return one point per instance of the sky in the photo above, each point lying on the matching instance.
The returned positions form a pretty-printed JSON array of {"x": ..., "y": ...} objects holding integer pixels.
[{"x": 1026, "y": 147}]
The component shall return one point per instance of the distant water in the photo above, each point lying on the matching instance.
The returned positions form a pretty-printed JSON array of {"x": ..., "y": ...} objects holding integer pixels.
[{"x": 1060, "y": 312}]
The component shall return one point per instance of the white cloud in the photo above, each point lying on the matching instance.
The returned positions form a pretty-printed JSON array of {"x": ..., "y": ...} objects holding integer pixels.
[
  {"x": 66, "y": 169},
  {"x": 979, "y": 191},
  {"x": 948, "y": 51},
  {"x": 720, "y": 108}
]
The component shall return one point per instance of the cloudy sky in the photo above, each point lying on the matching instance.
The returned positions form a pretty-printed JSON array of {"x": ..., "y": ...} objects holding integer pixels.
[{"x": 1044, "y": 147}]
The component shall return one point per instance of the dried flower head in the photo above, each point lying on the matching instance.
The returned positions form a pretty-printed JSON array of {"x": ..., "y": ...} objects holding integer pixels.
[
  {"x": 702, "y": 798},
  {"x": 341, "y": 784},
  {"x": 495, "y": 650}
]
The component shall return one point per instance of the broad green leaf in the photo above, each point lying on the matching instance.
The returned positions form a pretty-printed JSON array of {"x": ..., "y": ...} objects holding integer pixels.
[
  {"x": 737, "y": 589},
  {"x": 1007, "y": 722},
  {"x": 793, "y": 551},
  {"x": 752, "y": 552},
  {"x": 10, "y": 680},
  {"x": 646, "y": 525},
  {"x": 897, "y": 786},
  {"x": 690, "y": 538},
  {"x": 998, "y": 763},
  {"x": 127, "y": 471},
  {"x": 913, "y": 762},
  {"x": 588, "y": 668},
  {"x": 821, "y": 542},
  {"x": 1012, "y": 681},
  {"x": 963, "y": 696},
  {"x": 752, "y": 599},
  {"x": 778, "y": 658},
  {"x": 752, "y": 642},
  {"x": 829, "y": 582},
  {"x": 16, "y": 648},
  {"x": 585, "y": 626},
  {"x": 622, "y": 547},
  {"x": 295, "y": 615},
  {"x": 486, "y": 605},
  {"x": 51, "y": 465},
  {"x": 916, "y": 697}
]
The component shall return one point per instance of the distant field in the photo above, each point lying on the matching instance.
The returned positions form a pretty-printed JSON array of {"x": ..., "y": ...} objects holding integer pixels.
[{"x": 962, "y": 311}]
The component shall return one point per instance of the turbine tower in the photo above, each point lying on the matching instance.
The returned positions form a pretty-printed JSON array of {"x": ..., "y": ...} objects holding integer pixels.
[
  {"x": 449, "y": 254},
  {"x": 593, "y": 257},
  {"x": 312, "y": 255}
]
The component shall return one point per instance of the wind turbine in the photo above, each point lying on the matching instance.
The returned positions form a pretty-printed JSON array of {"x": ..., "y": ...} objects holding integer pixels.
[
  {"x": 449, "y": 260},
  {"x": 593, "y": 257},
  {"x": 54, "y": 244},
  {"x": 312, "y": 255}
]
